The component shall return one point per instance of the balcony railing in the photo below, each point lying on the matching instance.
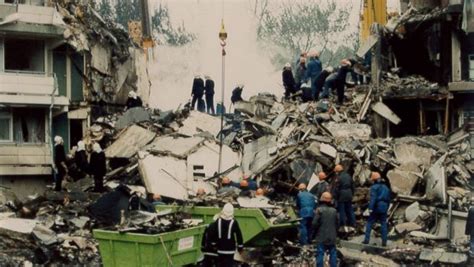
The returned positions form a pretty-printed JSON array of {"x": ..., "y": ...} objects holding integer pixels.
[{"x": 26, "y": 82}]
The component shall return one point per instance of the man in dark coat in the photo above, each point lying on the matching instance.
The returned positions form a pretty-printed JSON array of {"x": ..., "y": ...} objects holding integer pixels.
[
  {"x": 197, "y": 90},
  {"x": 97, "y": 167},
  {"x": 345, "y": 191},
  {"x": 228, "y": 236},
  {"x": 378, "y": 207},
  {"x": 288, "y": 80},
  {"x": 306, "y": 203},
  {"x": 59, "y": 162},
  {"x": 321, "y": 187},
  {"x": 470, "y": 227},
  {"x": 209, "y": 247},
  {"x": 300, "y": 73},
  {"x": 341, "y": 80},
  {"x": 314, "y": 67},
  {"x": 325, "y": 226},
  {"x": 133, "y": 100},
  {"x": 320, "y": 80},
  {"x": 209, "y": 91},
  {"x": 80, "y": 158},
  {"x": 237, "y": 94}
]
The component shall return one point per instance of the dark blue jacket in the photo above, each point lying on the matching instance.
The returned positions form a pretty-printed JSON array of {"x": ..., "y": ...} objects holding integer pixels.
[
  {"x": 379, "y": 198},
  {"x": 313, "y": 69},
  {"x": 306, "y": 204}
]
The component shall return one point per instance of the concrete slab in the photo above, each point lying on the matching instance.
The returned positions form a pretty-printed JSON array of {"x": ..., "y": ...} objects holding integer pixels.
[
  {"x": 407, "y": 227},
  {"x": 402, "y": 182},
  {"x": 23, "y": 226},
  {"x": 178, "y": 147},
  {"x": 129, "y": 142},
  {"x": 200, "y": 122},
  {"x": 384, "y": 111},
  {"x": 328, "y": 150},
  {"x": 442, "y": 256}
]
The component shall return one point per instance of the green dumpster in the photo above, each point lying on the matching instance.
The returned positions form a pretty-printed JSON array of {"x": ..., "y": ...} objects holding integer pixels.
[
  {"x": 175, "y": 248},
  {"x": 257, "y": 230}
]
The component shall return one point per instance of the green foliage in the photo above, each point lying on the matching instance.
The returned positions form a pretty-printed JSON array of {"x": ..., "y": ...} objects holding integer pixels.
[
  {"x": 297, "y": 26},
  {"x": 165, "y": 30}
]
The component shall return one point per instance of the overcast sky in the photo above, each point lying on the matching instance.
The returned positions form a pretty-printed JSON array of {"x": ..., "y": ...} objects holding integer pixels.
[{"x": 246, "y": 62}]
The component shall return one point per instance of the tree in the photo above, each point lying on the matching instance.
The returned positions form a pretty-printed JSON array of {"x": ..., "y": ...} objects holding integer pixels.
[
  {"x": 127, "y": 10},
  {"x": 165, "y": 30},
  {"x": 105, "y": 9},
  {"x": 298, "y": 26}
]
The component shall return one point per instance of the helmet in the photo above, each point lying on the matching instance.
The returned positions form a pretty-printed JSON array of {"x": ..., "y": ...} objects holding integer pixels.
[
  {"x": 326, "y": 197},
  {"x": 259, "y": 192},
  {"x": 322, "y": 176},
  {"x": 201, "y": 191},
  {"x": 225, "y": 180},
  {"x": 244, "y": 183},
  {"x": 338, "y": 168},
  {"x": 156, "y": 197},
  {"x": 374, "y": 176},
  {"x": 302, "y": 186}
]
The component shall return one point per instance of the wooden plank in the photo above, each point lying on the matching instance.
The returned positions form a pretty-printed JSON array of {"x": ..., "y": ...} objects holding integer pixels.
[{"x": 384, "y": 111}]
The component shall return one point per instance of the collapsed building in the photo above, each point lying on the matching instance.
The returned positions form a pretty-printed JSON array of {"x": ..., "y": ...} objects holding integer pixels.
[{"x": 60, "y": 63}]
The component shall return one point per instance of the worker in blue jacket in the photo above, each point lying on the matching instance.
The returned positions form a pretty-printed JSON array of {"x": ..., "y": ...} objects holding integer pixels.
[
  {"x": 313, "y": 70},
  {"x": 378, "y": 207},
  {"x": 306, "y": 203}
]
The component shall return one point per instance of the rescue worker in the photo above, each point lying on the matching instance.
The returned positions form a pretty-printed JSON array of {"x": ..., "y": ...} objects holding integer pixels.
[
  {"x": 321, "y": 187},
  {"x": 306, "y": 203},
  {"x": 320, "y": 80},
  {"x": 80, "y": 158},
  {"x": 470, "y": 227},
  {"x": 197, "y": 90},
  {"x": 341, "y": 80},
  {"x": 97, "y": 167},
  {"x": 378, "y": 207},
  {"x": 226, "y": 232},
  {"x": 288, "y": 80},
  {"x": 209, "y": 92},
  {"x": 201, "y": 192},
  {"x": 345, "y": 191},
  {"x": 251, "y": 182},
  {"x": 259, "y": 193},
  {"x": 313, "y": 70},
  {"x": 299, "y": 73},
  {"x": 208, "y": 247},
  {"x": 245, "y": 190},
  {"x": 133, "y": 100},
  {"x": 226, "y": 186},
  {"x": 325, "y": 225},
  {"x": 237, "y": 94},
  {"x": 59, "y": 162}
]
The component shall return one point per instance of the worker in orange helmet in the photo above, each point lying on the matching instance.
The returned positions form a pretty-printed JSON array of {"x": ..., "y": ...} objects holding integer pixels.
[
  {"x": 252, "y": 183},
  {"x": 259, "y": 192},
  {"x": 378, "y": 207},
  {"x": 345, "y": 191},
  {"x": 244, "y": 189},
  {"x": 321, "y": 187},
  {"x": 325, "y": 226},
  {"x": 306, "y": 203},
  {"x": 225, "y": 186}
]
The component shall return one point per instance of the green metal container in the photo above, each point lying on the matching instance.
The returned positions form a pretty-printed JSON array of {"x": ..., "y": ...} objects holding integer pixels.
[
  {"x": 256, "y": 229},
  {"x": 175, "y": 248}
]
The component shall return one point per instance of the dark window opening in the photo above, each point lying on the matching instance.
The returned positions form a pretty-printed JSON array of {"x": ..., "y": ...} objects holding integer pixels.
[
  {"x": 29, "y": 125},
  {"x": 24, "y": 55}
]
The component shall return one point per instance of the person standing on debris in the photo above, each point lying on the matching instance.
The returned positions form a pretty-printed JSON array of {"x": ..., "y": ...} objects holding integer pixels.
[
  {"x": 288, "y": 80},
  {"x": 470, "y": 227},
  {"x": 209, "y": 246},
  {"x": 378, "y": 207},
  {"x": 340, "y": 82},
  {"x": 306, "y": 203},
  {"x": 80, "y": 158},
  {"x": 320, "y": 80},
  {"x": 345, "y": 191},
  {"x": 325, "y": 225},
  {"x": 237, "y": 94},
  {"x": 197, "y": 91},
  {"x": 245, "y": 189},
  {"x": 299, "y": 73},
  {"x": 252, "y": 184},
  {"x": 321, "y": 187},
  {"x": 314, "y": 68},
  {"x": 228, "y": 236},
  {"x": 209, "y": 92},
  {"x": 98, "y": 167},
  {"x": 226, "y": 186},
  {"x": 133, "y": 100},
  {"x": 59, "y": 162}
]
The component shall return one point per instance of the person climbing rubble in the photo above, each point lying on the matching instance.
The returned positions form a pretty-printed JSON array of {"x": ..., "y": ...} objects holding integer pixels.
[
  {"x": 98, "y": 167},
  {"x": 251, "y": 182},
  {"x": 226, "y": 186},
  {"x": 306, "y": 203},
  {"x": 133, "y": 100},
  {"x": 345, "y": 190},
  {"x": 59, "y": 162},
  {"x": 325, "y": 225},
  {"x": 245, "y": 190},
  {"x": 470, "y": 227},
  {"x": 378, "y": 207},
  {"x": 320, "y": 80},
  {"x": 226, "y": 231},
  {"x": 321, "y": 187}
]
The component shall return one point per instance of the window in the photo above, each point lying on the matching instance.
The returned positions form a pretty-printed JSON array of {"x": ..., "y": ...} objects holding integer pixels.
[
  {"x": 6, "y": 129},
  {"x": 29, "y": 125},
  {"x": 471, "y": 67},
  {"x": 24, "y": 55}
]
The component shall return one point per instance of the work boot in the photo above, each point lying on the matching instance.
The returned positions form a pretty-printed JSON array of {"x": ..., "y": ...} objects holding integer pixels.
[
  {"x": 384, "y": 244},
  {"x": 366, "y": 242}
]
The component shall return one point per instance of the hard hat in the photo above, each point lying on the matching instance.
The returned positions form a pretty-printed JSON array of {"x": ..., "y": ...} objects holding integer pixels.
[
  {"x": 259, "y": 192},
  {"x": 287, "y": 65},
  {"x": 302, "y": 186},
  {"x": 345, "y": 62},
  {"x": 244, "y": 183},
  {"x": 201, "y": 191},
  {"x": 329, "y": 69},
  {"x": 338, "y": 168},
  {"x": 374, "y": 176},
  {"x": 156, "y": 197},
  {"x": 227, "y": 212},
  {"x": 322, "y": 176},
  {"x": 225, "y": 180},
  {"x": 302, "y": 60},
  {"x": 326, "y": 197}
]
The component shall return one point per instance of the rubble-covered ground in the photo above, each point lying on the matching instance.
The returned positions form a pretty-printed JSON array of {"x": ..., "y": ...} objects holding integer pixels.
[{"x": 279, "y": 144}]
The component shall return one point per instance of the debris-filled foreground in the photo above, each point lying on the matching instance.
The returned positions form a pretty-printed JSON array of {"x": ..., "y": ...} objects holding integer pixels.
[{"x": 277, "y": 144}]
